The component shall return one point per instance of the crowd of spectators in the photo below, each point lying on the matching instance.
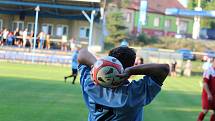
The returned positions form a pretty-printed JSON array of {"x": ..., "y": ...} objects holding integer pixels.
[{"x": 23, "y": 38}]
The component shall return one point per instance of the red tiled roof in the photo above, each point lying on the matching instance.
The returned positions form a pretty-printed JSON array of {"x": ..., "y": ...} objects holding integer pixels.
[
  {"x": 157, "y": 6},
  {"x": 161, "y": 5},
  {"x": 135, "y": 4}
]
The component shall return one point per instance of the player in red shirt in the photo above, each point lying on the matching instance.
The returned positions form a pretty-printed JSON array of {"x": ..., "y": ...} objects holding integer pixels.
[{"x": 208, "y": 93}]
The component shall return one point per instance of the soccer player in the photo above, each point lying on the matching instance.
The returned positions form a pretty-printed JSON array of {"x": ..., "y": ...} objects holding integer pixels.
[
  {"x": 208, "y": 93},
  {"x": 74, "y": 66},
  {"x": 124, "y": 103}
]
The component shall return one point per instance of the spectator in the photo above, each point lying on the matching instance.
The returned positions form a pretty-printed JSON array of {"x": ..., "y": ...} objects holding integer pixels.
[
  {"x": 72, "y": 43},
  {"x": 173, "y": 68},
  {"x": 31, "y": 38},
  {"x": 16, "y": 36},
  {"x": 1, "y": 37},
  {"x": 138, "y": 61},
  {"x": 24, "y": 37},
  {"x": 64, "y": 43},
  {"x": 41, "y": 40},
  {"x": 10, "y": 38},
  {"x": 5, "y": 34},
  {"x": 20, "y": 38},
  {"x": 48, "y": 41},
  {"x": 188, "y": 68}
]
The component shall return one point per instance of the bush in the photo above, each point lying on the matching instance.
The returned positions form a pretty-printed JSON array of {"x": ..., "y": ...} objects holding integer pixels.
[
  {"x": 108, "y": 46},
  {"x": 143, "y": 38},
  {"x": 147, "y": 40},
  {"x": 195, "y": 45},
  {"x": 154, "y": 39}
]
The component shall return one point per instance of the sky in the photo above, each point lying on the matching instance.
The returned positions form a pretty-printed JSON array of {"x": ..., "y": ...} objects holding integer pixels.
[{"x": 184, "y": 2}]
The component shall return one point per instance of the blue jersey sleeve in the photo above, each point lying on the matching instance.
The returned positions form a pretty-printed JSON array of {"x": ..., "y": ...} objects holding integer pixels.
[
  {"x": 136, "y": 93},
  {"x": 142, "y": 92},
  {"x": 103, "y": 96}
]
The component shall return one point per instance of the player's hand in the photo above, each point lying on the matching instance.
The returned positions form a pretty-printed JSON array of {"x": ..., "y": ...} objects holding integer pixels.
[
  {"x": 125, "y": 75},
  {"x": 210, "y": 97}
]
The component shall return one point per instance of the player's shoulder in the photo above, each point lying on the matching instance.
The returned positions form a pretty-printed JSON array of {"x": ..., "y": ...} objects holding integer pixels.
[
  {"x": 210, "y": 70},
  {"x": 82, "y": 67},
  {"x": 148, "y": 80}
]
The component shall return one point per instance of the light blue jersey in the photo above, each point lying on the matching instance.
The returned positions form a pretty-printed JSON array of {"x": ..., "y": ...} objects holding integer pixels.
[
  {"x": 124, "y": 103},
  {"x": 74, "y": 63}
]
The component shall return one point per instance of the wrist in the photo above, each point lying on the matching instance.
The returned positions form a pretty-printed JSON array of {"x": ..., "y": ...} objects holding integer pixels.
[{"x": 128, "y": 71}]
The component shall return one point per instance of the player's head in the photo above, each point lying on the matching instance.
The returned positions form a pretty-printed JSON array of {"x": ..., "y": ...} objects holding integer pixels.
[{"x": 125, "y": 55}]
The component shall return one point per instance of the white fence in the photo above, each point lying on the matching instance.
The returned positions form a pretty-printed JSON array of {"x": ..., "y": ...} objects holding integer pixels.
[
  {"x": 162, "y": 57},
  {"x": 43, "y": 56}
]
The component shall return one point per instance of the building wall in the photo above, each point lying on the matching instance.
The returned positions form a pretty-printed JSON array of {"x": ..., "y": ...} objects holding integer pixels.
[
  {"x": 173, "y": 27},
  {"x": 6, "y": 21},
  {"x": 129, "y": 18}
]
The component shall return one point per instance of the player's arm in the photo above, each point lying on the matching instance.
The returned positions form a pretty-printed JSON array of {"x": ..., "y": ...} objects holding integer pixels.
[
  {"x": 86, "y": 58},
  {"x": 205, "y": 86},
  {"x": 158, "y": 72}
]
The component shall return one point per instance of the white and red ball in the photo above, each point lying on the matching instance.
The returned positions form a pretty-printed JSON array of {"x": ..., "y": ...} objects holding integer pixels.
[{"x": 104, "y": 72}]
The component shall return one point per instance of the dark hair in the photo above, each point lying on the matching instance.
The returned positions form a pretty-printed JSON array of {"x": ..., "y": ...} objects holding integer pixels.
[
  {"x": 141, "y": 60},
  {"x": 125, "y": 55}
]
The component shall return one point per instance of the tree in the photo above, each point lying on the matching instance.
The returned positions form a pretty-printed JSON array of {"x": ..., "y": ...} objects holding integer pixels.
[
  {"x": 115, "y": 25},
  {"x": 120, "y": 3},
  {"x": 209, "y": 22},
  {"x": 193, "y": 3}
]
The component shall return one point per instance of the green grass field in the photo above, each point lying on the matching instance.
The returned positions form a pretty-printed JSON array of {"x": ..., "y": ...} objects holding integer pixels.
[{"x": 38, "y": 93}]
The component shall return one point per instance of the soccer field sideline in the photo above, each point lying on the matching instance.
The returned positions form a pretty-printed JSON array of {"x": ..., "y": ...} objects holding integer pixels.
[{"x": 38, "y": 93}]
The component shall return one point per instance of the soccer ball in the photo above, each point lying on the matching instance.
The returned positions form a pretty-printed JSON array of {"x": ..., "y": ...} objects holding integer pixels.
[{"x": 104, "y": 72}]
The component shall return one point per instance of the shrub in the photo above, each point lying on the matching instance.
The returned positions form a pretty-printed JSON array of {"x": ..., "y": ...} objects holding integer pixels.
[{"x": 147, "y": 40}]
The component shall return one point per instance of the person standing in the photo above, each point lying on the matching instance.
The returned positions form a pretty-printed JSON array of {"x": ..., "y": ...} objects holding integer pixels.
[
  {"x": 206, "y": 64},
  {"x": 31, "y": 38},
  {"x": 72, "y": 43},
  {"x": 24, "y": 37},
  {"x": 64, "y": 43},
  {"x": 139, "y": 61},
  {"x": 173, "y": 68},
  {"x": 10, "y": 38},
  {"x": 125, "y": 102},
  {"x": 41, "y": 40},
  {"x": 208, "y": 93},
  {"x": 188, "y": 68},
  {"x": 74, "y": 66},
  {"x": 48, "y": 41},
  {"x": 16, "y": 36},
  {"x": 5, "y": 35}
]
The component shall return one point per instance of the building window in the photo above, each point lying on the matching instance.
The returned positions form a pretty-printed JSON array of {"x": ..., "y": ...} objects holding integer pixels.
[
  {"x": 84, "y": 32},
  {"x": 146, "y": 20},
  {"x": 62, "y": 30},
  {"x": 167, "y": 24},
  {"x": 47, "y": 28},
  {"x": 156, "y": 22},
  {"x": 183, "y": 26},
  {"x": 1, "y": 23},
  {"x": 30, "y": 27},
  {"x": 18, "y": 24},
  {"x": 128, "y": 17}
]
